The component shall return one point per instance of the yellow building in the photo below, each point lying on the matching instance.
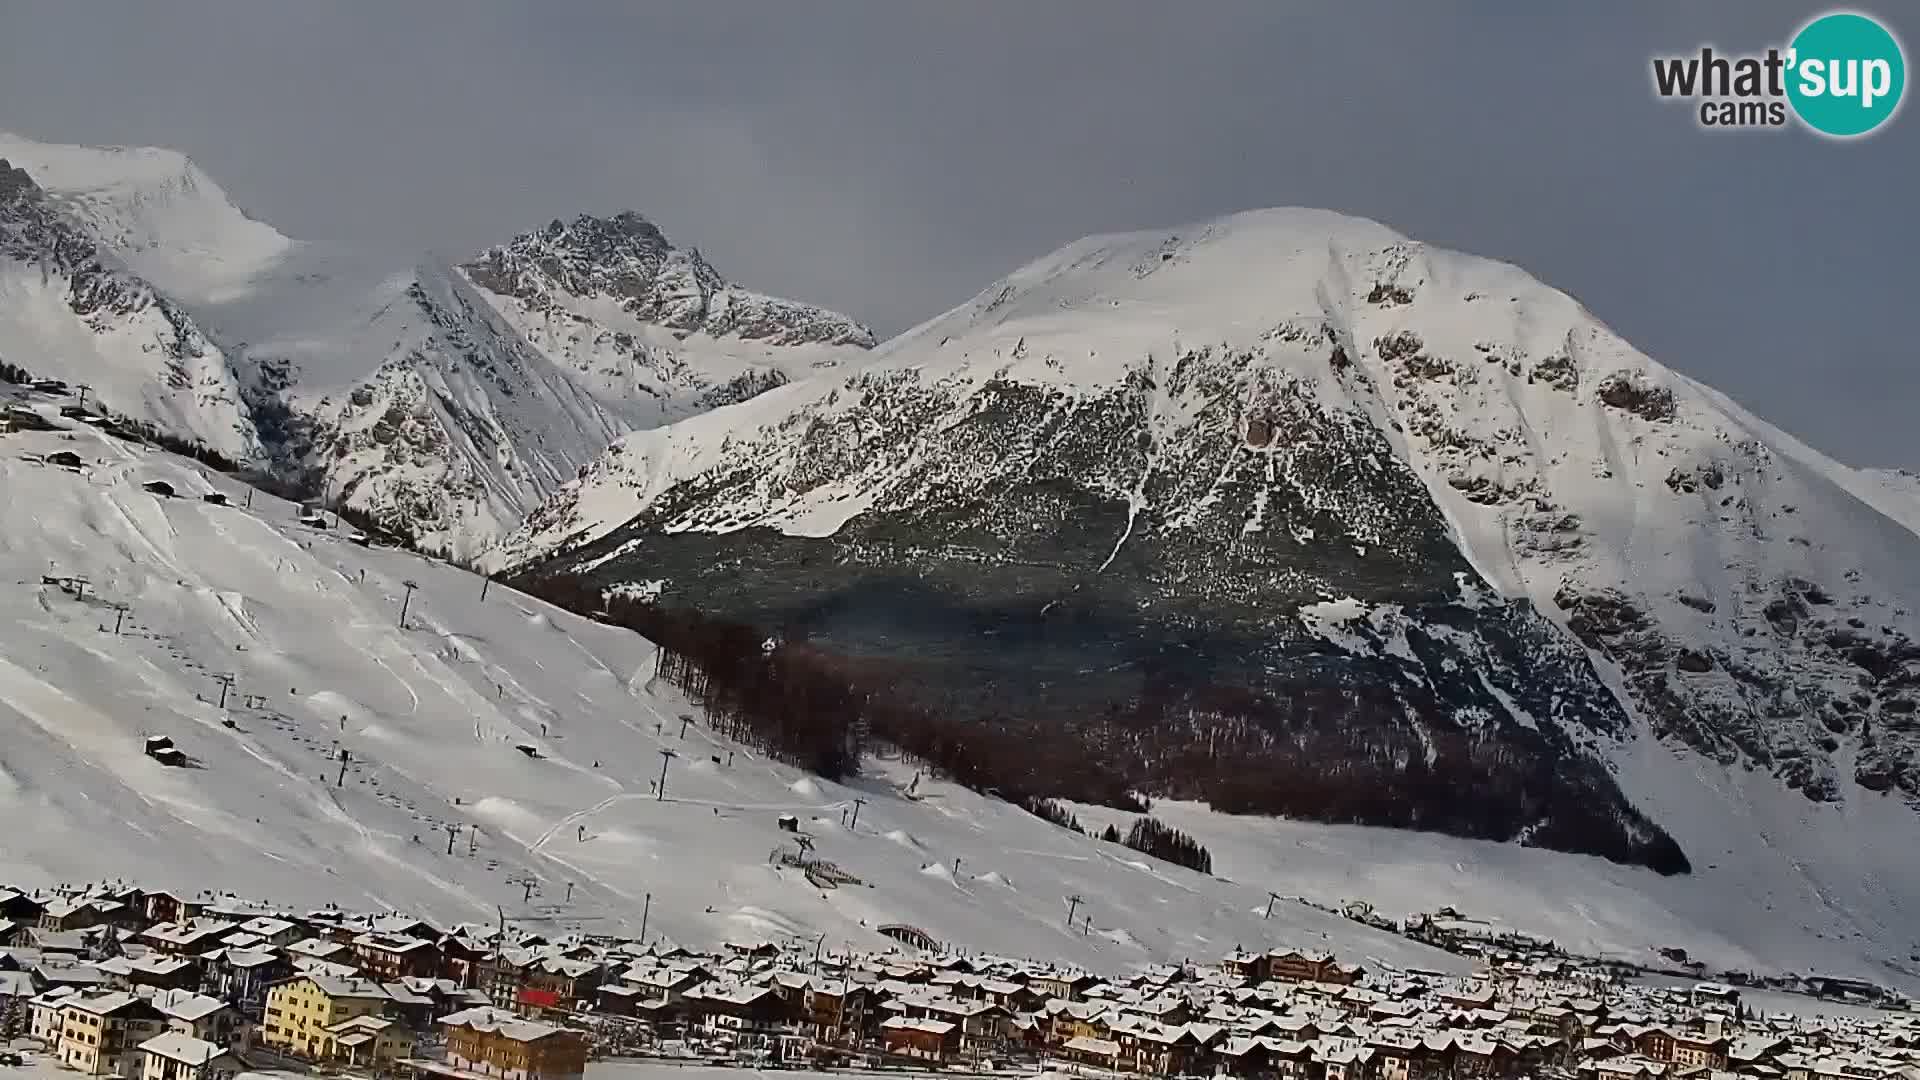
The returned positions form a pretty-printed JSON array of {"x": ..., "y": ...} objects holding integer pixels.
[
  {"x": 1079, "y": 1020},
  {"x": 100, "y": 1035},
  {"x": 300, "y": 1011}
]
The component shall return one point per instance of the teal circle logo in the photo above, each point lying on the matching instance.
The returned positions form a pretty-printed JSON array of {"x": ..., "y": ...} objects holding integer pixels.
[{"x": 1846, "y": 74}]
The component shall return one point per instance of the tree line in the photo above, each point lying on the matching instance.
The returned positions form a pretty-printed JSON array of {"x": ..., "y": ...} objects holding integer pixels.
[
  {"x": 820, "y": 710},
  {"x": 1168, "y": 844},
  {"x": 1147, "y": 835},
  {"x": 1052, "y": 810},
  {"x": 1339, "y": 754}
]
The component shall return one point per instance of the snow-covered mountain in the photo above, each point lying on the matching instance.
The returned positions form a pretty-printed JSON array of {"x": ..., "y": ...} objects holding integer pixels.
[
  {"x": 1895, "y": 492},
  {"x": 446, "y": 401},
  {"x": 652, "y": 326},
  {"x": 460, "y": 428},
  {"x": 157, "y": 211},
  {"x": 1306, "y": 427},
  {"x": 69, "y": 308},
  {"x": 1418, "y": 506}
]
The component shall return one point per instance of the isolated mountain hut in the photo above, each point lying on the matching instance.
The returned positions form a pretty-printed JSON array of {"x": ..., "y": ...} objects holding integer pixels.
[
  {"x": 161, "y": 749},
  {"x": 158, "y": 487}
]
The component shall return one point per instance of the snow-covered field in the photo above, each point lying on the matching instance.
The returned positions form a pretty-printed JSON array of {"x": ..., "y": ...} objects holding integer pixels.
[{"x": 1776, "y": 904}]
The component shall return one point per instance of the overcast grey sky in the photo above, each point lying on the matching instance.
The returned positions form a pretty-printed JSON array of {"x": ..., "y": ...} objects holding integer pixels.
[{"x": 891, "y": 157}]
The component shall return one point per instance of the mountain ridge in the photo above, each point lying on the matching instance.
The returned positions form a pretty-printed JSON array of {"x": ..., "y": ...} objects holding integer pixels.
[
  {"x": 440, "y": 409},
  {"x": 627, "y": 257},
  {"x": 1645, "y": 515}
]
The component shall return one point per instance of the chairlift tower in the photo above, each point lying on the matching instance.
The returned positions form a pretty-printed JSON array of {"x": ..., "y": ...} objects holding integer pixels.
[
  {"x": 666, "y": 756},
  {"x": 225, "y": 679}
]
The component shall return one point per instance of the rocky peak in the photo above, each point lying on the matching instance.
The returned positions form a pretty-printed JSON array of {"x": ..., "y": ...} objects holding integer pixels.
[
  {"x": 15, "y": 183},
  {"x": 32, "y": 229},
  {"x": 626, "y": 231},
  {"x": 622, "y": 256},
  {"x": 627, "y": 259}
]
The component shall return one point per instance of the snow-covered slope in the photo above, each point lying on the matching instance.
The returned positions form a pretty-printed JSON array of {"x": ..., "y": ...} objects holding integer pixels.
[
  {"x": 1814, "y": 895},
  {"x": 444, "y": 409},
  {"x": 432, "y": 715},
  {"x": 1896, "y": 492},
  {"x": 1751, "y": 600},
  {"x": 462, "y": 427}
]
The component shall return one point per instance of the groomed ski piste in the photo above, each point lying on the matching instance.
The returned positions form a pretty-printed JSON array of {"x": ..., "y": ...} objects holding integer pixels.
[{"x": 437, "y": 718}]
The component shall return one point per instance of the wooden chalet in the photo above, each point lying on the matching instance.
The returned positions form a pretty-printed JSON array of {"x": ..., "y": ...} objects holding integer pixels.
[
  {"x": 394, "y": 956},
  {"x": 163, "y": 906},
  {"x": 242, "y": 977},
  {"x": 188, "y": 938},
  {"x": 741, "y": 1008},
  {"x": 1159, "y": 1050},
  {"x": 1071, "y": 985},
  {"x": 496, "y": 1043},
  {"x": 1292, "y": 965},
  {"x": 839, "y": 1011},
  {"x": 85, "y": 912},
  {"x": 920, "y": 1037},
  {"x": 559, "y": 983}
]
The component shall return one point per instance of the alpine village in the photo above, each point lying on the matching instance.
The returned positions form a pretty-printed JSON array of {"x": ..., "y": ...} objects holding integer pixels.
[{"x": 118, "y": 981}]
